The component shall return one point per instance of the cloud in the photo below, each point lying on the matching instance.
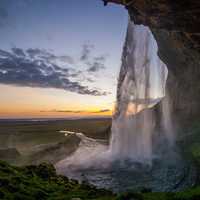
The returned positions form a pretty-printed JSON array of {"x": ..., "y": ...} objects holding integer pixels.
[
  {"x": 67, "y": 59},
  {"x": 86, "y": 51},
  {"x": 97, "y": 64},
  {"x": 37, "y": 68},
  {"x": 94, "y": 64},
  {"x": 95, "y": 67},
  {"x": 18, "y": 51},
  {"x": 90, "y": 80},
  {"x": 102, "y": 111},
  {"x": 63, "y": 111},
  {"x": 44, "y": 54},
  {"x": 101, "y": 58},
  {"x": 77, "y": 111},
  {"x": 36, "y": 52}
]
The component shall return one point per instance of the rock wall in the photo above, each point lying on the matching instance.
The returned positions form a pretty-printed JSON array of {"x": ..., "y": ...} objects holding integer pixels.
[
  {"x": 183, "y": 83},
  {"x": 176, "y": 27}
]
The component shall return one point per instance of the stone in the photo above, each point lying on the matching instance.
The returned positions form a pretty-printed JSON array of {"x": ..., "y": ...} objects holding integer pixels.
[{"x": 176, "y": 28}]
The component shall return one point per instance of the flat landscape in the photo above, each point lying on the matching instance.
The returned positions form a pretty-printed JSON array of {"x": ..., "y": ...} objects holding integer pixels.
[{"x": 29, "y": 138}]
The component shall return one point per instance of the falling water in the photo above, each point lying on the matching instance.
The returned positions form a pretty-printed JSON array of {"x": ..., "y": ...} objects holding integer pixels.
[
  {"x": 124, "y": 164},
  {"x": 141, "y": 85}
]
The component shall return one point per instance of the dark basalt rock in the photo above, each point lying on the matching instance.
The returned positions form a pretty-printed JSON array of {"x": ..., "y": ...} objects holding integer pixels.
[
  {"x": 183, "y": 63},
  {"x": 176, "y": 27},
  {"x": 181, "y": 16}
]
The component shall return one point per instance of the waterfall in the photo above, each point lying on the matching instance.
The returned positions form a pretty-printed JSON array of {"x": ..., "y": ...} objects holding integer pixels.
[
  {"x": 142, "y": 129},
  {"x": 141, "y": 85}
]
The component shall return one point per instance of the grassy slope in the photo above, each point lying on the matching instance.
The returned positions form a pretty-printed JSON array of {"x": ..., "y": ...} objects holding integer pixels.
[{"x": 41, "y": 182}]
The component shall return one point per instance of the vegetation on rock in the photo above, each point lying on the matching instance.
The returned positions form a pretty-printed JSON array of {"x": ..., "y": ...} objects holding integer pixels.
[{"x": 42, "y": 182}]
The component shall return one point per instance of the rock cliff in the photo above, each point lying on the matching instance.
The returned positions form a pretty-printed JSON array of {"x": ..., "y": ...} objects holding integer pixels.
[{"x": 176, "y": 27}]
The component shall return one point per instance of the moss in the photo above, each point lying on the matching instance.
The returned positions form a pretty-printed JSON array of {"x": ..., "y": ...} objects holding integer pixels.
[
  {"x": 41, "y": 182},
  {"x": 190, "y": 194},
  {"x": 195, "y": 151},
  {"x": 158, "y": 196}
]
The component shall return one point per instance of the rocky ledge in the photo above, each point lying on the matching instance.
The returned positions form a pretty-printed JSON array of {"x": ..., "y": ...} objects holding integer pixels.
[{"x": 176, "y": 27}]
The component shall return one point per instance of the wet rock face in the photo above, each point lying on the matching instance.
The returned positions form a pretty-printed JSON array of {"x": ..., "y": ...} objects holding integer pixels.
[
  {"x": 176, "y": 27},
  {"x": 183, "y": 84},
  {"x": 181, "y": 15}
]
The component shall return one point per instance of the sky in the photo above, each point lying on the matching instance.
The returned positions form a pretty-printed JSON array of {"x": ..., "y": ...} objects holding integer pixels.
[{"x": 59, "y": 58}]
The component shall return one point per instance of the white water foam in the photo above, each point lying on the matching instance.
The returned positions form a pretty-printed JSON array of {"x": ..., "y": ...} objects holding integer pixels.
[{"x": 141, "y": 85}]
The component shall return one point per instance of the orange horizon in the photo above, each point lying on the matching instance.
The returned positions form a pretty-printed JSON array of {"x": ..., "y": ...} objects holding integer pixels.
[
  {"x": 23, "y": 102},
  {"x": 54, "y": 114}
]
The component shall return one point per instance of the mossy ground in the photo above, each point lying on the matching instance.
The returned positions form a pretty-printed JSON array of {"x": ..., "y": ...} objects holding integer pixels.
[{"x": 41, "y": 183}]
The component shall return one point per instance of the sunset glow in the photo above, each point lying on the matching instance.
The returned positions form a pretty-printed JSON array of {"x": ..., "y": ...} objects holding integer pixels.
[
  {"x": 24, "y": 102},
  {"x": 61, "y": 65}
]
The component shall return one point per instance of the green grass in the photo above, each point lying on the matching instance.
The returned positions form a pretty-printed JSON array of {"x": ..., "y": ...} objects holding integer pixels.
[{"x": 41, "y": 182}]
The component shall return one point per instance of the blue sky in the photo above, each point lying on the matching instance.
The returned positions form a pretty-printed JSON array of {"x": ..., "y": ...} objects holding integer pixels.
[{"x": 64, "y": 27}]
